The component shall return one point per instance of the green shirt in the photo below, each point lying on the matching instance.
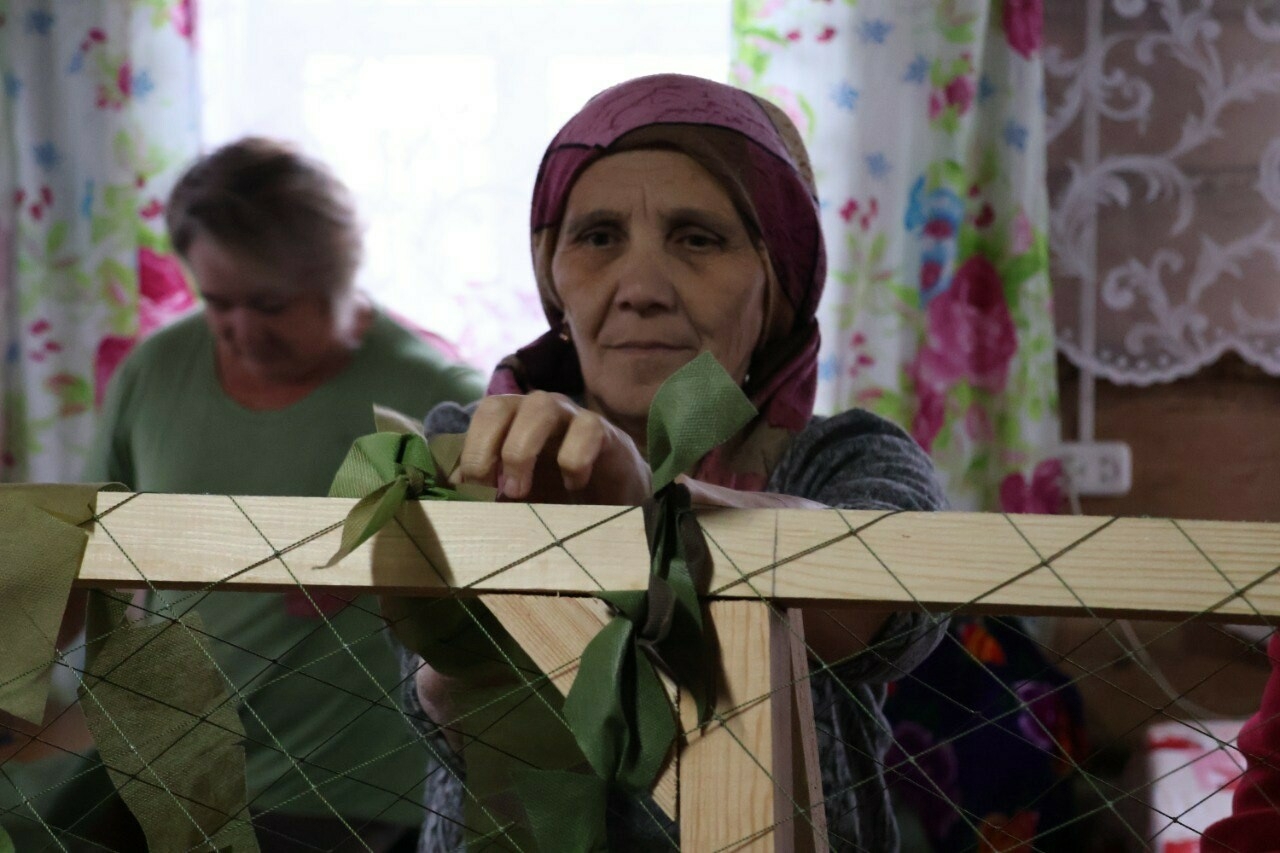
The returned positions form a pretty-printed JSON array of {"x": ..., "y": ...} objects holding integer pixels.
[{"x": 167, "y": 426}]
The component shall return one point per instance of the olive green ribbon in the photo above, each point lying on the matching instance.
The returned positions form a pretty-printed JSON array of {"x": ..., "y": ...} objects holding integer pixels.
[
  {"x": 390, "y": 467},
  {"x": 617, "y": 707},
  {"x": 42, "y": 541},
  {"x": 460, "y": 638},
  {"x": 161, "y": 718},
  {"x": 151, "y": 696}
]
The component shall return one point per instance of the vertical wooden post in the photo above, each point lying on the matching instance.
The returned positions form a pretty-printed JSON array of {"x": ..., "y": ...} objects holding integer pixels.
[
  {"x": 728, "y": 775},
  {"x": 799, "y": 810}
]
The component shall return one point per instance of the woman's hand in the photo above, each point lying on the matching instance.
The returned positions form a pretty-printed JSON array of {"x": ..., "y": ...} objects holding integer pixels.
[{"x": 544, "y": 448}]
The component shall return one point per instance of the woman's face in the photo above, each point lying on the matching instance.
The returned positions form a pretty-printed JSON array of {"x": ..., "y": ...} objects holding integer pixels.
[
  {"x": 262, "y": 330},
  {"x": 653, "y": 265}
]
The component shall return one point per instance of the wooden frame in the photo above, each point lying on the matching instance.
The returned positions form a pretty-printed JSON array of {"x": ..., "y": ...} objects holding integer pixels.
[
  {"x": 1138, "y": 567},
  {"x": 537, "y": 565}
]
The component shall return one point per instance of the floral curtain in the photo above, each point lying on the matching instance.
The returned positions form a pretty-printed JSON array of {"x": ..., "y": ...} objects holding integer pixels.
[
  {"x": 926, "y": 127},
  {"x": 100, "y": 111},
  {"x": 926, "y": 124}
]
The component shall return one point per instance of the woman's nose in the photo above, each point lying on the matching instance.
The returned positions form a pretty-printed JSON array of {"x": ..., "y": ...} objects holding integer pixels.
[
  {"x": 644, "y": 281},
  {"x": 238, "y": 325}
]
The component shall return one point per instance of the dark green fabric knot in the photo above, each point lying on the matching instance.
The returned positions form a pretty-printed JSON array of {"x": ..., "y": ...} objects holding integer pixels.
[
  {"x": 386, "y": 469},
  {"x": 416, "y": 484}
]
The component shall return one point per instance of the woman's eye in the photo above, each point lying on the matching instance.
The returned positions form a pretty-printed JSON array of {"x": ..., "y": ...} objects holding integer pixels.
[
  {"x": 598, "y": 238},
  {"x": 700, "y": 240},
  {"x": 271, "y": 308}
]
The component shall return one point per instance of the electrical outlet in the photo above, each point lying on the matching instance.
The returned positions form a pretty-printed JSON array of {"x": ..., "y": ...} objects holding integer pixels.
[{"x": 1098, "y": 468}]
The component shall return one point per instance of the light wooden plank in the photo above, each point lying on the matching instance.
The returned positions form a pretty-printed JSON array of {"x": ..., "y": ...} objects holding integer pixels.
[
  {"x": 730, "y": 762},
  {"x": 942, "y": 561},
  {"x": 554, "y": 631},
  {"x": 799, "y": 811},
  {"x": 811, "y": 834}
]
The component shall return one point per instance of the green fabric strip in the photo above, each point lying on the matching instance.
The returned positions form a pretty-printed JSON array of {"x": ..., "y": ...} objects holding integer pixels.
[
  {"x": 572, "y": 816},
  {"x": 172, "y": 743},
  {"x": 40, "y": 553},
  {"x": 697, "y": 409},
  {"x": 386, "y": 469},
  {"x": 617, "y": 708}
]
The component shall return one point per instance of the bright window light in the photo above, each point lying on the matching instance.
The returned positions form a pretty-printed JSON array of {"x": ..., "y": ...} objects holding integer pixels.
[{"x": 436, "y": 113}]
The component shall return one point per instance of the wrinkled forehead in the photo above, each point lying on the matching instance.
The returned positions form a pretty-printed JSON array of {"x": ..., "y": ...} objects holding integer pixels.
[{"x": 653, "y": 182}]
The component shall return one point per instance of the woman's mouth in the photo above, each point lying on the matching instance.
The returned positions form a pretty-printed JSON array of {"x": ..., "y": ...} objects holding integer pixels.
[{"x": 648, "y": 346}]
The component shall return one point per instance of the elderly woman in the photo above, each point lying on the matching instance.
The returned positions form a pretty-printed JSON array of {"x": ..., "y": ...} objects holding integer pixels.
[
  {"x": 262, "y": 393},
  {"x": 674, "y": 216}
]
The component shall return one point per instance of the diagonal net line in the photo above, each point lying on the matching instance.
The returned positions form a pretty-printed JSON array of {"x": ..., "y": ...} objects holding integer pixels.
[
  {"x": 745, "y": 578},
  {"x": 527, "y": 687},
  {"x": 137, "y": 777},
  {"x": 1080, "y": 769},
  {"x": 88, "y": 692},
  {"x": 857, "y": 533},
  {"x": 330, "y": 685},
  {"x": 561, "y": 544},
  {"x": 1047, "y": 563},
  {"x": 209, "y": 588},
  {"x": 276, "y": 555}
]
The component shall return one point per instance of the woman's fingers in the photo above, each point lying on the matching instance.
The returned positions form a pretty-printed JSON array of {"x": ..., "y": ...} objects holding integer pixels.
[
  {"x": 580, "y": 449},
  {"x": 478, "y": 462},
  {"x": 542, "y": 420},
  {"x": 542, "y": 446},
  {"x": 508, "y": 435},
  {"x": 600, "y": 463}
]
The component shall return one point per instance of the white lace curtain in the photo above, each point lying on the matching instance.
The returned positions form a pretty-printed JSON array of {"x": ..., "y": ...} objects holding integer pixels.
[{"x": 1163, "y": 120}]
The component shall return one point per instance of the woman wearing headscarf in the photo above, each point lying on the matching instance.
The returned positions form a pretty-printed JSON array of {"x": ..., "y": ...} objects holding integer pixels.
[{"x": 674, "y": 216}]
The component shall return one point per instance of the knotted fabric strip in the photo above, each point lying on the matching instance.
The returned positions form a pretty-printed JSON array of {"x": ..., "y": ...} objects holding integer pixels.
[{"x": 392, "y": 466}]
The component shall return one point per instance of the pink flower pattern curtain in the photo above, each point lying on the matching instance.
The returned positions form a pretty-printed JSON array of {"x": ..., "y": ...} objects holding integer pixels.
[
  {"x": 926, "y": 126},
  {"x": 100, "y": 111}
]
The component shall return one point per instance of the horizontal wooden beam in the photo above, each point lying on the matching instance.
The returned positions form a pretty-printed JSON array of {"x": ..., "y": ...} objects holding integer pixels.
[{"x": 1150, "y": 568}]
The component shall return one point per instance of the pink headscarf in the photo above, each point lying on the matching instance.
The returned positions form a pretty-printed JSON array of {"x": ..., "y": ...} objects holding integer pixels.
[{"x": 755, "y": 153}]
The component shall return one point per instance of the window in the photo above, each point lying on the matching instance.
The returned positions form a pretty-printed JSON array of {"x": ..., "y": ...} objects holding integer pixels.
[{"x": 436, "y": 114}]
